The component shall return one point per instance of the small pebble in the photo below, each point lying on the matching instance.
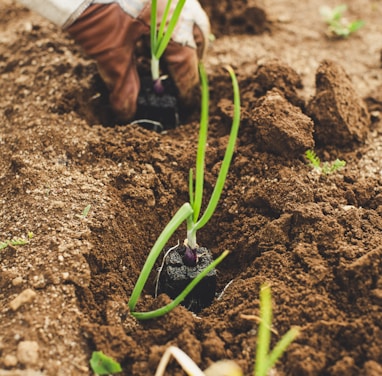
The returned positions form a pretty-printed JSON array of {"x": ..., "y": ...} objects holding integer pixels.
[
  {"x": 9, "y": 360},
  {"x": 17, "y": 281},
  {"x": 27, "y": 296},
  {"x": 27, "y": 352}
]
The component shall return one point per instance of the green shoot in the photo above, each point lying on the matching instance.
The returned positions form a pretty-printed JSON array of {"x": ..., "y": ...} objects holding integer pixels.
[
  {"x": 14, "y": 242},
  {"x": 326, "y": 168},
  {"x": 160, "y": 37},
  {"x": 102, "y": 364},
  {"x": 265, "y": 360},
  {"x": 314, "y": 160},
  {"x": 189, "y": 211},
  {"x": 195, "y": 223},
  {"x": 85, "y": 212},
  {"x": 338, "y": 25},
  {"x": 170, "y": 306}
]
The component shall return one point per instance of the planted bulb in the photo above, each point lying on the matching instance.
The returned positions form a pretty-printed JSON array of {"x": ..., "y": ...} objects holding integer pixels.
[
  {"x": 158, "y": 86},
  {"x": 190, "y": 258}
]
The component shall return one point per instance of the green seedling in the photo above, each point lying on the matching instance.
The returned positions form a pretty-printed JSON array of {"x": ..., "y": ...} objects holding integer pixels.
[
  {"x": 326, "y": 168},
  {"x": 160, "y": 36},
  {"x": 102, "y": 364},
  {"x": 85, "y": 212},
  {"x": 14, "y": 242},
  {"x": 338, "y": 25},
  {"x": 190, "y": 211},
  {"x": 265, "y": 359}
]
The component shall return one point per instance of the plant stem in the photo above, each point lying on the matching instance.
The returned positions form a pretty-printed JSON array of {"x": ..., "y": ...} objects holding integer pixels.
[
  {"x": 154, "y": 68},
  {"x": 165, "y": 38},
  {"x": 281, "y": 346},
  {"x": 159, "y": 39},
  {"x": 264, "y": 334},
  {"x": 211, "y": 207},
  {"x": 201, "y": 152},
  {"x": 181, "y": 215},
  {"x": 167, "y": 308}
]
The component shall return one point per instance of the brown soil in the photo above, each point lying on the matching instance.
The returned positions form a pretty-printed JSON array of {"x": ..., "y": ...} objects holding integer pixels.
[{"x": 316, "y": 239}]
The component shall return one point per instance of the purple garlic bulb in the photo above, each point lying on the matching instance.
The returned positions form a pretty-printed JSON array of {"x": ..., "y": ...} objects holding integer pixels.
[
  {"x": 158, "y": 86},
  {"x": 190, "y": 258}
]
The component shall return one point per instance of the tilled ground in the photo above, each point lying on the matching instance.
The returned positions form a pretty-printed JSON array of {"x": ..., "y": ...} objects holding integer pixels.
[{"x": 315, "y": 238}]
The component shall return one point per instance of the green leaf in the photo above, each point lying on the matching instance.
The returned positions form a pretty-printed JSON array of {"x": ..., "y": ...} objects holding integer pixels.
[
  {"x": 356, "y": 25},
  {"x": 265, "y": 360},
  {"x": 180, "y": 216},
  {"x": 219, "y": 185},
  {"x": 3, "y": 245},
  {"x": 102, "y": 364},
  {"x": 163, "y": 42},
  {"x": 281, "y": 346},
  {"x": 170, "y": 306},
  {"x": 200, "y": 156},
  {"x": 264, "y": 333},
  {"x": 339, "y": 11},
  {"x": 85, "y": 212},
  {"x": 314, "y": 160},
  {"x": 19, "y": 241}
]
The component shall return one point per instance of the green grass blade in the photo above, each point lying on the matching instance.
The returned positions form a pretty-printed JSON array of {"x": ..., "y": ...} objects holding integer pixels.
[
  {"x": 163, "y": 23},
  {"x": 201, "y": 152},
  {"x": 356, "y": 25},
  {"x": 153, "y": 26},
  {"x": 180, "y": 216},
  {"x": 227, "y": 157},
  {"x": 281, "y": 346},
  {"x": 170, "y": 29},
  {"x": 191, "y": 187},
  {"x": 3, "y": 245},
  {"x": 264, "y": 334},
  {"x": 167, "y": 308}
]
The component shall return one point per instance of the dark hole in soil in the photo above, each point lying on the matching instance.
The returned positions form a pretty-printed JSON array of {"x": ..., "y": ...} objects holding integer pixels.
[
  {"x": 175, "y": 276},
  {"x": 155, "y": 111}
]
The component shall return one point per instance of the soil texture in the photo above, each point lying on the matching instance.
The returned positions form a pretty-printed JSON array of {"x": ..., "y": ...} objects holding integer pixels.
[{"x": 315, "y": 238}]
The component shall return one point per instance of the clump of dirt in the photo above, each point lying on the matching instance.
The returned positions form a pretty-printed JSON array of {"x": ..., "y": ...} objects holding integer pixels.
[
  {"x": 315, "y": 239},
  {"x": 346, "y": 119},
  {"x": 239, "y": 17},
  {"x": 281, "y": 128}
]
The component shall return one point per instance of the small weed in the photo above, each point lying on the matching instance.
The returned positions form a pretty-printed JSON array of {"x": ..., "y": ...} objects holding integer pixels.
[
  {"x": 338, "y": 25},
  {"x": 265, "y": 359},
  {"x": 160, "y": 37},
  {"x": 15, "y": 241},
  {"x": 326, "y": 168},
  {"x": 102, "y": 364},
  {"x": 85, "y": 212}
]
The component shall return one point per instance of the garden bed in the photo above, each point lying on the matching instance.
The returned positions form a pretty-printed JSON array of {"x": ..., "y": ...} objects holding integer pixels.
[{"x": 315, "y": 238}]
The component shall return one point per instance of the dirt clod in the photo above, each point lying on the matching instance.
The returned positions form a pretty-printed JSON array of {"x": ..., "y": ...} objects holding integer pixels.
[
  {"x": 282, "y": 128},
  {"x": 341, "y": 116}
]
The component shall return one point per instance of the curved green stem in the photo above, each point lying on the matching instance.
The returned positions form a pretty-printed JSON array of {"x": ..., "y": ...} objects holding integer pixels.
[
  {"x": 201, "y": 152},
  {"x": 227, "y": 157},
  {"x": 167, "y": 308},
  {"x": 180, "y": 216}
]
